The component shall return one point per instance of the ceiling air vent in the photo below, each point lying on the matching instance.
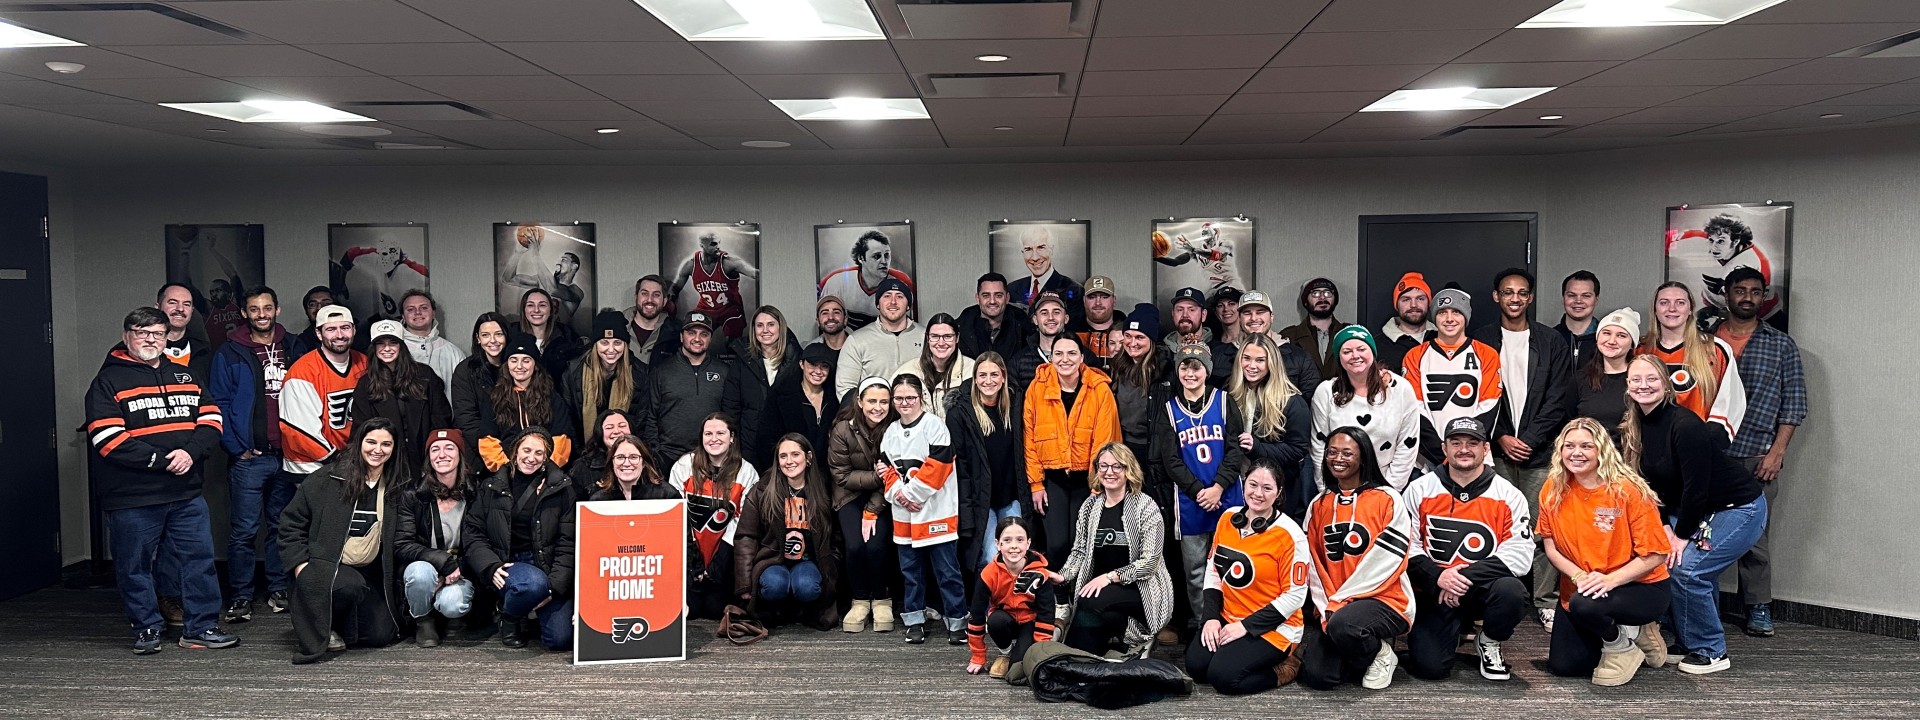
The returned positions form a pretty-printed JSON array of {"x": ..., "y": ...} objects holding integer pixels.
[
  {"x": 1907, "y": 45},
  {"x": 988, "y": 85},
  {"x": 1500, "y": 132},
  {"x": 961, "y": 19}
]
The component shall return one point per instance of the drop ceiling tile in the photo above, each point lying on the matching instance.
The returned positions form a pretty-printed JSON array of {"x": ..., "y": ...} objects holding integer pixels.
[
  {"x": 1167, "y": 82},
  {"x": 732, "y": 142},
  {"x": 788, "y": 58},
  {"x": 1395, "y": 134},
  {"x": 302, "y": 22},
  {"x": 1685, "y": 72},
  {"x": 232, "y": 130},
  {"x": 1254, "y": 124},
  {"x": 894, "y": 85},
  {"x": 1638, "y": 96},
  {"x": 125, "y": 113},
  {"x": 616, "y": 58},
  {"x": 1531, "y": 116},
  {"x": 1265, "y": 103},
  {"x": 250, "y": 60},
  {"x": 1206, "y": 18},
  {"x": 1102, "y": 139},
  {"x": 158, "y": 90},
  {"x": 1129, "y": 106},
  {"x": 1256, "y": 137},
  {"x": 363, "y": 88},
  {"x": 410, "y": 113},
  {"x": 37, "y": 92},
  {"x": 497, "y": 135},
  {"x": 896, "y": 142},
  {"x": 1128, "y": 125},
  {"x": 1223, "y": 51},
  {"x": 121, "y": 27},
  {"x": 1838, "y": 11},
  {"x": 549, "y": 20},
  {"x": 675, "y": 110},
  {"x": 101, "y": 63},
  {"x": 1578, "y": 44},
  {"x": 1370, "y": 15},
  {"x": 1809, "y": 115},
  {"x": 770, "y": 129},
  {"x": 1400, "y": 47},
  {"x": 628, "y": 141},
  {"x": 1334, "y": 78},
  {"x": 1447, "y": 118},
  {"x": 534, "y": 112},
  {"x": 830, "y": 130},
  {"x": 991, "y": 108},
  {"x": 1778, "y": 95},
  {"x": 1606, "y": 130},
  {"x": 1024, "y": 56},
  {"x": 1900, "y": 94},
  {"x": 395, "y": 59},
  {"x": 985, "y": 126},
  {"x": 1678, "y": 115},
  {"x": 668, "y": 87},
  {"x": 505, "y": 87},
  {"x": 1007, "y": 139},
  {"x": 1839, "y": 71},
  {"x": 587, "y": 130},
  {"x": 1778, "y": 41},
  {"x": 1537, "y": 74}
]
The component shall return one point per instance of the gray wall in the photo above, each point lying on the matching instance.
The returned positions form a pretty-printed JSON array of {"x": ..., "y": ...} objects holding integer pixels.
[{"x": 1602, "y": 211}]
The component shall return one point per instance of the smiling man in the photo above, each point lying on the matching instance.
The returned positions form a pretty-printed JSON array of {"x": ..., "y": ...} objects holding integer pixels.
[
  {"x": 1579, "y": 294},
  {"x": 1036, "y": 252}
]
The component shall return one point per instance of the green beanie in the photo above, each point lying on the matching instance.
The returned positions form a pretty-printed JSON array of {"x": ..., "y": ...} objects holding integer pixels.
[{"x": 1353, "y": 332}]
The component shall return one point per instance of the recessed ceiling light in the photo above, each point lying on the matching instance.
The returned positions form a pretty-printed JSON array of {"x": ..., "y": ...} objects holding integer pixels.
[
  {"x": 1553, "y": 117},
  {"x": 1830, "y": 116},
  {"x": 767, "y": 19},
  {"x": 766, "y": 144},
  {"x": 1454, "y": 98},
  {"x": 852, "y": 108},
  {"x": 65, "y": 68},
  {"x": 607, "y": 131},
  {"x": 270, "y": 111},
  {"x": 345, "y": 130},
  {"x": 1636, "y": 13},
  {"x": 14, "y": 36},
  {"x": 992, "y": 58},
  {"x": 1003, "y": 127}
]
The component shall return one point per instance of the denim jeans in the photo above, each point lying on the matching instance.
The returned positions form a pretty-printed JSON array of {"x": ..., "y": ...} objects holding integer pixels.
[
  {"x": 799, "y": 582},
  {"x": 249, "y": 483},
  {"x": 526, "y": 587},
  {"x": 989, "y": 546},
  {"x": 1545, "y": 579},
  {"x": 946, "y": 571},
  {"x": 180, "y": 529},
  {"x": 1696, "y": 581},
  {"x": 280, "y": 490},
  {"x": 451, "y": 601}
]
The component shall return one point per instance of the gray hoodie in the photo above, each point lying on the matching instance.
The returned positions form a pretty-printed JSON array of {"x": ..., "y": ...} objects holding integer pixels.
[{"x": 435, "y": 352}]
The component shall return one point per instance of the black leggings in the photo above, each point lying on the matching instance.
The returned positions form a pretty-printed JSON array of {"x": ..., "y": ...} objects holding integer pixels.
[
  {"x": 360, "y": 612},
  {"x": 1011, "y": 637},
  {"x": 1587, "y": 623},
  {"x": 1242, "y": 667},
  {"x": 1066, "y": 489},
  {"x": 866, "y": 567},
  {"x": 1342, "y": 652},
  {"x": 1436, "y": 627},
  {"x": 1101, "y": 620}
]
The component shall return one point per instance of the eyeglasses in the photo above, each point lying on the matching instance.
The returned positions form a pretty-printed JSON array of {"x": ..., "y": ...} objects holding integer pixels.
[
  {"x": 943, "y": 337},
  {"x": 1320, "y": 294},
  {"x": 626, "y": 458},
  {"x": 1105, "y": 468},
  {"x": 147, "y": 334},
  {"x": 906, "y": 399}
]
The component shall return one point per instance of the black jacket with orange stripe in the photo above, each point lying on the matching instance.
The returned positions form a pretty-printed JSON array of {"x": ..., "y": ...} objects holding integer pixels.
[{"x": 136, "y": 415}]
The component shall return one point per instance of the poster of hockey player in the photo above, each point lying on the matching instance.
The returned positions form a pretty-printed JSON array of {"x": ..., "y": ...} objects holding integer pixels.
[
  {"x": 1205, "y": 253},
  {"x": 217, "y": 263},
  {"x": 373, "y": 265},
  {"x": 1039, "y": 256},
  {"x": 852, "y": 258},
  {"x": 713, "y": 268},
  {"x": 1705, "y": 242},
  {"x": 555, "y": 257}
]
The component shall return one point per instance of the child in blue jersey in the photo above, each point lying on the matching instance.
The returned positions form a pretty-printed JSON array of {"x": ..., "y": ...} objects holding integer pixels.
[{"x": 1196, "y": 441}]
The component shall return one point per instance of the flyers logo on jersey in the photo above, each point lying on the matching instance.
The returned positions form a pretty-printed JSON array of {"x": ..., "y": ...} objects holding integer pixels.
[
  {"x": 1027, "y": 582},
  {"x": 1451, "y": 540},
  {"x": 1346, "y": 538},
  {"x": 1234, "y": 567},
  {"x": 627, "y": 629},
  {"x": 1683, "y": 379},
  {"x": 1444, "y": 390},
  {"x": 338, "y": 402}
]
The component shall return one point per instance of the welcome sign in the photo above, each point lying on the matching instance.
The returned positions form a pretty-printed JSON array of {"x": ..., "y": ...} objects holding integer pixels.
[{"x": 630, "y": 581}]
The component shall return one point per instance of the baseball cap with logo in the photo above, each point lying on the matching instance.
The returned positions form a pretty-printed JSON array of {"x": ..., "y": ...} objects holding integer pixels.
[
  {"x": 1099, "y": 284},
  {"x": 1467, "y": 426},
  {"x": 385, "y": 328},
  {"x": 698, "y": 318},
  {"x": 1255, "y": 297},
  {"x": 1190, "y": 294},
  {"x": 332, "y": 314}
]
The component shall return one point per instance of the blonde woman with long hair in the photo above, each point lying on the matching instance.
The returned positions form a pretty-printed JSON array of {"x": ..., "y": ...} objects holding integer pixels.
[
  {"x": 1700, "y": 366},
  {"x": 1278, "y": 419},
  {"x": 983, "y": 418},
  {"x": 1114, "y": 575},
  {"x": 1600, "y": 523}
]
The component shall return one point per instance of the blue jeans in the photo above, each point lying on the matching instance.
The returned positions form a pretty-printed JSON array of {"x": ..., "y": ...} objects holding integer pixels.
[
  {"x": 945, "y": 558},
  {"x": 451, "y": 601},
  {"x": 1696, "y": 581},
  {"x": 990, "y": 546},
  {"x": 180, "y": 529},
  {"x": 799, "y": 582},
  {"x": 250, "y": 483},
  {"x": 526, "y": 587},
  {"x": 280, "y": 490}
]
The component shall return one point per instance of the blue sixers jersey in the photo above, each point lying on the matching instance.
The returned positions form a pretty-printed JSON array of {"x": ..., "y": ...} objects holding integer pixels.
[{"x": 1202, "y": 439}]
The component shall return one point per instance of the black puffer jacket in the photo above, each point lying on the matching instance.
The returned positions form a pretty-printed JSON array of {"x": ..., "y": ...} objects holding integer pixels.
[
  {"x": 639, "y": 404},
  {"x": 415, "y": 418},
  {"x": 747, "y": 390},
  {"x": 1062, "y": 674},
  {"x": 789, "y": 411},
  {"x": 472, "y": 382},
  {"x": 420, "y": 538},
  {"x": 485, "y": 533}
]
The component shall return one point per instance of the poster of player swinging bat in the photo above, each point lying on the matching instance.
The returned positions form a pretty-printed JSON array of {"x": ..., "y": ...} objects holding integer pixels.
[{"x": 714, "y": 268}]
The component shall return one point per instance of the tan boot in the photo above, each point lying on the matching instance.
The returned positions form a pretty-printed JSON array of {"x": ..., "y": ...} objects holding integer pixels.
[
  {"x": 1616, "y": 668},
  {"x": 999, "y": 668},
  {"x": 1288, "y": 670},
  {"x": 1651, "y": 643},
  {"x": 883, "y": 615},
  {"x": 856, "y": 619}
]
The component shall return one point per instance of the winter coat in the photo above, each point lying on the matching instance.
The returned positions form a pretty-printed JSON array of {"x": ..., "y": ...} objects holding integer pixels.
[
  {"x": 1146, "y": 534},
  {"x": 746, "y": 392},
  {"x": 495, "y": 430},
  {"x": 663, "y": 343},
  {"x": 789, "y": 411},
  {"x": 1327, "y": 365},
  {"x": 238, "y": 383},
  {"x": 471, "y": 389},
  {"x": 976, "y": 333},
  {"x": 414, "y": 419},
  {"x": 974, "y": 468},
  {"x": 137, "y": 414},
  {"x": 487, "y": 529},
  {"x": 851, "y": 452},
  {"x": 639, "y": 406},
  {"x": 1551, "y": 394},
  {"x": 759, "y": 541},
  {"x": 1138, "y": 405},
  {"x": 1062, "y": 674},
  {"x": 1058, "y": 441},
  {"x": 420, "y": 538},
  {"x": 560, "y": 350},
  {"x": 313, "y": 531},
  {"x": 435, "y": 352},
  {"x": 682, "y": 396},
  {"x": 642, "y": 490}
]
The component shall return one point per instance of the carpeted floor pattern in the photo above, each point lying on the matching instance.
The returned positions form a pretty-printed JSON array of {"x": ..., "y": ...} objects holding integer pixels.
[{"x": 64, "y": 653}]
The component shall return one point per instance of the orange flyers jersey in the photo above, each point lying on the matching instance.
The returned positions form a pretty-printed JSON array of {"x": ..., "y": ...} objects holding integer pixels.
[
  {"x": 1603, "y": 529},
  {"x": 1359, "y": 542},
  {"x": 1255, "y": 571},
  {"x": 1463, "y": 381},
  {"x": 1687, "y": 389}
]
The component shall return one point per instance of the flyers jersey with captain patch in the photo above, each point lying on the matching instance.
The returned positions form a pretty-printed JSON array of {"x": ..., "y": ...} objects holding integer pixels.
[
  {"x": 1359, "y": 542},
  {"x": 1262, "y": 571},
  {"x": 1729, "y": 408},
  {"x": 1462, "y": 381},
  {"x": 1456, "y": 525}
]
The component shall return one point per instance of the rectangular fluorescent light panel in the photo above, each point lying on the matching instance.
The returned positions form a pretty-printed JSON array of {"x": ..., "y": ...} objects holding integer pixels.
[
  {"x": 767, "y": 19},
  {"x": 1455, "y": 98},
  {"x": 854, "y": 109},
  {"x": 1638, "y": 13},
  {"x": 270, "y": 111},
  {"x": 14, "y": 36}
]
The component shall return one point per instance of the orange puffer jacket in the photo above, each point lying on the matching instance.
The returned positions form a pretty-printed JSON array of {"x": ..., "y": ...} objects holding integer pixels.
[{"x": 1059, "y": 441}]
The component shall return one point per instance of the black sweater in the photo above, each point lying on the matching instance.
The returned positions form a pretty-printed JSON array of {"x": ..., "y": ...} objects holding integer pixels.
[{"x": 1685, "y": 460}]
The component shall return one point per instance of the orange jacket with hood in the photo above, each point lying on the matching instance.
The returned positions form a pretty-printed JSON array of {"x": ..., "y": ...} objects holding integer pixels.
[{"x": 1057, "y": 440}]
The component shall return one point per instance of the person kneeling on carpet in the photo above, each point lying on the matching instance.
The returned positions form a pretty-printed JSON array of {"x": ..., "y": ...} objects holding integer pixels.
[
  {"x": 428, "y": 539},
  {"x": 1255, "y": 596},
  {"x": 1358, "y": 533},
  {"x": 518, "y": 535},
  {"x": 1014, "y": 602},
  {"x": 338, "y": 536},
  {"x": 784, "y": 560},
  {"x": 1114, "y": 579},
  {"x": 715, "y": 480}
]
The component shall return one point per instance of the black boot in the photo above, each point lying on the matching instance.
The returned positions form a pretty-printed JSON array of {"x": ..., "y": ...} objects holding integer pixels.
[
  {"x": 426, "y": 631},
  {"x": 513, "y": 632}
]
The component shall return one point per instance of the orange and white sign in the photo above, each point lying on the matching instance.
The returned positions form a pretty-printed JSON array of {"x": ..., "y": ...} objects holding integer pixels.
[{"x": 630, "y": 581}]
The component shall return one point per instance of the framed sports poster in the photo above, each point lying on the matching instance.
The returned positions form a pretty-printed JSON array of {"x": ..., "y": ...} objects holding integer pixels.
[
  {"x": 852, "y": 258},
  {"x": 555, "y": 257},
  {"x": 1205, "y": 253},
  {"x": 630, "y": 581},
  {"x": 372, "y": 265},
  {"x": 1705, "y": 242},
  {"x": 217, "y": 263},
  {"x": 713, "y": 268},
  {"x": 1039, "y": 256}
]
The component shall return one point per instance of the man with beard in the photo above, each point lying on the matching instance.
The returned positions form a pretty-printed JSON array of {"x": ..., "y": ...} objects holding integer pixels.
[
  {"x": 1097, "y": 324},
  {"x": 421, "y": 335},
  {"x": 830, "y": 315},
  {"x": 1579, "y": 294},
  {"x": 316, "y": 401},
  {"x": 993, "y": 323},
  {"x": 858, "y": 285},
  {"x": 880, "y": 348},
  {"x": 656, "y": 334},
  {"x": 149, "y": 425},
  {"x": 687, "y": 387},
  {"x": 566, "y": 293},
  {"x": 1190, "y": 328},
  {"x": 716, "y": 284},
  {"x": 248, "y": 372},
  {"x": 1049, "y": 322},
  {"x": 1319, "y": 298},
  {"x": 1776, "y": 388},
  {"x": 1256, "y": 318},
  {"x": 1036, "y": 251},
  {"x": 1409, "y": 326}
]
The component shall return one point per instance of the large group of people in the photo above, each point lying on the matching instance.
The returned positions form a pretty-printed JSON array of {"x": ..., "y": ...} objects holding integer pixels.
[{"x": 1290, "y": 503}]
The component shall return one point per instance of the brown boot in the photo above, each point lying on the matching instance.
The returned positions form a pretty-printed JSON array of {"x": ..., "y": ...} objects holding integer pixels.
[
  {"x": 1650, "y": 642},
  {"x": 999, "y": 668},
  {"x": 1168, "y": 636},
  {"x": 1288, "y": 670}
]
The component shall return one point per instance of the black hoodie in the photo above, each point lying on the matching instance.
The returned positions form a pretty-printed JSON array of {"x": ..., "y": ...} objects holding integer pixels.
[{"x": 137, "y": 414}]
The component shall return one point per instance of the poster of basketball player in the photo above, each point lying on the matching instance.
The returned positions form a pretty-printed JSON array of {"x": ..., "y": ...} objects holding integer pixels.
[
  {"x": 218, "y": 263},
  {"x": 1205, "y": 253},
  {"x": 713, "y": 268},
  {"x": 372, "y": 265},
  {"x": 852, "y": 259},
  {"x": 555, "y": 257},
  {"x": 1705, "y": 242},
  {"x": 1039, "y": 256}
]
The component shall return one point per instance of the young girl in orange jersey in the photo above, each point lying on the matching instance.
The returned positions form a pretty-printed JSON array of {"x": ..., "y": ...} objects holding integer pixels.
[
  {"x": 1700, "y": 366},
  {"x": 1256, "y": 593},
  {"x": 1358, "y": 531},
  {"x": 1014, "y": 603}
]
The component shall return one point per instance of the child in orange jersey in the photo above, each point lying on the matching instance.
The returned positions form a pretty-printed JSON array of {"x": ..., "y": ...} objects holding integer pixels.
[{"x": 1014, "y": 603}]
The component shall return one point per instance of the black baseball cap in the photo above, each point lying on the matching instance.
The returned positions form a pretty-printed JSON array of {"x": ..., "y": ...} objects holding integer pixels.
[
  {"x": 1466, "y": 426},
  {"x": 698, "y": 318},
  {"x": 1189, "y": 294}
]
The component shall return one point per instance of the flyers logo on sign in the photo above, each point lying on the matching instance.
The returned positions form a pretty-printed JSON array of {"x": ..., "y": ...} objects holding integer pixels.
[{"x": 629, "y": 628}]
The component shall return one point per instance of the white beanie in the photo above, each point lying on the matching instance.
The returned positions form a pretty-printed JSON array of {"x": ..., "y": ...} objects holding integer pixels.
[{"x": 1627, "y": 318}]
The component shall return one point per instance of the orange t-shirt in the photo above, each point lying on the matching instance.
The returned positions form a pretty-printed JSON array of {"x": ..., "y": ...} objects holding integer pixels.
[
  {"x": 1588, "y": 529},
  {"x": 1737, "y": 342}
]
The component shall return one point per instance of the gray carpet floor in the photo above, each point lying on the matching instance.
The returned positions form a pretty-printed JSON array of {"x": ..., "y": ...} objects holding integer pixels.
[{"x": 64, "y": 654}]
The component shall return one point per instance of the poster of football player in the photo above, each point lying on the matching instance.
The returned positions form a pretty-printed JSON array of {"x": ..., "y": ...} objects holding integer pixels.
[
  {"x": 217, "y": 263},
  {"x": 713, "y": 268},
  {"x": 1205, "y": 253},
  {"x": 555, "y": 257},
  {"x": 1705, "y": 242},
  {"x": 371, "y": 266},
  {"x": 852, "y": 258},
  {"x": 1039, "y": 256}
]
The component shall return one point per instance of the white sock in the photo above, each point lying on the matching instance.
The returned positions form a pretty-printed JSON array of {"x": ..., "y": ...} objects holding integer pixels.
[{"x": 1621, "y": 642}]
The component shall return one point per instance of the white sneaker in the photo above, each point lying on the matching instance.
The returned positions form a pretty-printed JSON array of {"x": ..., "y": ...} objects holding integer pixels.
[
  {"x": 1546, "y": 619},
  {"x": 1380, "y": 673},
  {"x": 1492, "y": 665}
]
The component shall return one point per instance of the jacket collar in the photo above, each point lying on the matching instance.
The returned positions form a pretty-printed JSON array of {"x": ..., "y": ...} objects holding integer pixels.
[
  {"x": 1393, "y": 332},
  {"x": 1472, "y": 490}
]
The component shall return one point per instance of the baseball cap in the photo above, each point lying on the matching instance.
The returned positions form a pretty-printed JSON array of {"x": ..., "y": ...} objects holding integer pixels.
[
  {"x": 1099, "y": 284},
  {"x": 1467, "y": 426},
  {"x": 893, "y": 284},
  {"x": 1045, "y": 298},
  {"x": 332, "y": 314},
  {"x": 1189, "y": 294},
  {"x": 1255, "y": 297},
  {"x": 828, "y": 298},
  {"x": 819, "y": 354},
  {"x": 1225, "y": 294},
  {"x": 385, "y": 328},
  {"x": 697, "y": 318}
]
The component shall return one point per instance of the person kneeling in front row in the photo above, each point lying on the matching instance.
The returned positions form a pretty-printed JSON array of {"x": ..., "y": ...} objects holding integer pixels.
[
  {"x": 1013, "y": 605},
  {"x": 1255, "y": 595},
  {"x": 1359, "y": 531},
  {"x": 428, "y": 542},
  {"x": 338, "y": 536},
  {"x": 518, "y": 535},
  {"x": 784, "y": 560}
]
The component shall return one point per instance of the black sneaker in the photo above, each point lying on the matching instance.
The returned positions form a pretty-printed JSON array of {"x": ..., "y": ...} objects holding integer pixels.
[
  {"x": 277, "y": 601},
  {"x": 1493, "y": 666},
  {"x": 957, "y": 636},
  {"x": 1700, "y": 664},
  {"x": 239, "y": 611},
  {"x": 917, "y": 634},
  {"x": 212, "y": 638},
  {"x": 147, "y": 642}
]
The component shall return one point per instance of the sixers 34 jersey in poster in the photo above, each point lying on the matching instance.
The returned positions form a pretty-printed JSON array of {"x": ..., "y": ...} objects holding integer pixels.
[
  {"x": 630, "y": 581},
  {"x": 718, "y": 292}
]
